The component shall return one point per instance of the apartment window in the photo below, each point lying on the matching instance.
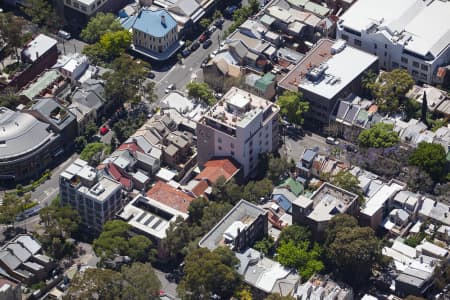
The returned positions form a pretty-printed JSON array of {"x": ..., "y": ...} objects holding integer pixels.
[
  {"x": 69, "y": 2},
  {"x": 415, "y": 64},
  {"x": 357, "y": 42},
  {"x": 83, "y": 8},
  {"x": 385, "y": 46},
  {"x": 220, "y": 148},
  {"x": 375, "y": 46},
  {"x": 424, "y": 67},
  {"x": 395, "y": 65},
  {"x": 423, "y": 76},
  {"x": 344, "y": 37},
  {"x": 76, "y": 4},
  {"x": 232, "y": 153},
  {"x": 404, "y": 60},
  {"x": 385, "y": 53},
  {"x": 219, "y": 139},
  {"x": 415, "y": 73},
  {"x": 231, "y": 145}
]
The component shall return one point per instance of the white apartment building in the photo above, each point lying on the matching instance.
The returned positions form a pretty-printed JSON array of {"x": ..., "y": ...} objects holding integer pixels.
[
  {"x": 409, "y": 34},
  {"x": 86, "y": 7},
  {"x": 97, "y": 199},
  {"x": 241, "y": 126}
]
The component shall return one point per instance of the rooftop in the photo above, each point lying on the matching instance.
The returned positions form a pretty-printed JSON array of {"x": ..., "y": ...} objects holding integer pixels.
[
  {"x": 156, "y": 23},
  {"x": 420, "y": 26},
  {"x": 150, "y": 216},
  {"x": 170, "y": 196},
  {"x": 215, "y": 168},
  {"x": 38, "y": 46},
  {"x": 328, "y": 68},
  {"x": 377, "y": 201},
  {"x": 238, "y": 108},
  {"x": 21, "y": 133},
  {"x": 244, "y": 213},
  {"x": 44, "y": 81},
  {"x": 102, "y": 190}
]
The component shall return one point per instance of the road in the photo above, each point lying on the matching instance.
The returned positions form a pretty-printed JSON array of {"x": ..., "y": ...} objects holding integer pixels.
[
  {"x": 168, "y": 287},
  {"x": 190, "y": 69}
]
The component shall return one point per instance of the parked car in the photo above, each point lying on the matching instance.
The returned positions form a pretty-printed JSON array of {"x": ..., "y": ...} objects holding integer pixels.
[
  {"x": 230, "y": 10},
  {"x": 104, "y": 130},
  {"x": 64, "y": 35},
  {"x": 204, "y": 62},
  {"x": 207, "y": 43},
  {"x": 185, "y": 52},
  {"x": 219, "y": 22},
  {"x": 151, "y": 75},
  {"x": 194, "y": 46},
  {"x": 204, "y": 36},
  {"x": 212, "y": 29},
  {"x": 169, "y": 88},
  {"x": 332, "y": 141}
]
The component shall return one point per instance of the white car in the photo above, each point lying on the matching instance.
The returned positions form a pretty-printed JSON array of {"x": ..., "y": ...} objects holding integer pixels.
[
  {"x": 171, "y": 87},
  {"x": 64, "y": 34}
]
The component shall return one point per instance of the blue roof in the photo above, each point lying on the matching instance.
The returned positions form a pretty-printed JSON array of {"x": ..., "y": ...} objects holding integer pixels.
[
  {"x": 285, "y": 204},
  {"x": 149, "y": 21}
]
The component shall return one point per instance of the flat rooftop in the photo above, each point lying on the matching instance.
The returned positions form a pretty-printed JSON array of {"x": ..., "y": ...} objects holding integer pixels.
[
  {"x": 243, "y": 212},
  {"x": 326, "y": 74},
  {"x": 376, "y": 202},
  {"x": 102, "y": 190},
  {"x": 238, "y": 108},
  {"x": 150, "y": 216},
  {"x": 39, "y": 46},
  {"x": 330, "y": 200}
]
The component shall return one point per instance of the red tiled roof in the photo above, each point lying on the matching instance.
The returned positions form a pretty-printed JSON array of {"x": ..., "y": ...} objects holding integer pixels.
[
  {"x": 200, "y": 188},
  {"x": 133, "y": 147},
  {"x": 170, "y": 196},
  {"x": 117, "y": 175},
  {"x": 216, "y": 168}
]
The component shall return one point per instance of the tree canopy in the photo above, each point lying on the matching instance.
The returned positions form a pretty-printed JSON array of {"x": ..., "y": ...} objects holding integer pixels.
[
  {"x": 292, "y": 107},
  {"x": 93, "y": 152},
  {"x": 115, "y": 240},
  {"x": 294, "y": 233},
  {"x": 207, "y": 273},
  {"x": 380, "y": 135},
  {"x": 11, "y": 31},
  {"x": 201, "y": 91},
  {"x": 110, "y": 46},
  {"x": 352, "y": 250},
  {"x": 137, "y": 281},
  {"x": 390, "y": 89},
  {"x": 99, "y": 25},
  {"x": 42, "y": 13},
  {"x": 430, "y": 158}
]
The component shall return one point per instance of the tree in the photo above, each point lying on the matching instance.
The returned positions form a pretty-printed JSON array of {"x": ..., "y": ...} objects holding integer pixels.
[
  {"x": 208, "y": 273},
  {"x": 11, "y": 31},
  {"x": 336, "y": 224},
  {"x": 99, "y": 25},
  {"x": 90, "y": 130},
  {"x": 255, "y": 190},
  {"x": 115, "y": 240},
  {"x": 141, "y": 282},
  {"x": 353, "y": 252},
  {"x": 95, "y": 284},
  {"x": 217, "y": 15},
  {"x": 80, "y": 143},
  {"x": 277, "y": 167},
  {"x": 418, "y": 180},
  {"x": 196, "y": 208},
  {"x": 11, "y": 206},
  {"x": 205, "y": 22},
  {"x": 424, "y": 110},
  {"x": 301, "y": 256},
  {"x": 348, "y": 182},
  {"x": 368, "y": 82},
  {"x": 201, "y": 91},
  {"x": 93, "y": 153},
  {"x": 42, "y": 13},
  {"x": 111, "y": 45},
  {"x": 292, "y": 107},
  {"x": 380, "y": 135},
  {"x": 430, "y": 158},
  {"x": 148, "y": 91},
  {"x": 294, "y": 233},
  {"x": 391, "y": 88},
  {"x": 279, "y": 297},
  {"x": 254, "y": 6},
  {"x": 266, "y": 245}
]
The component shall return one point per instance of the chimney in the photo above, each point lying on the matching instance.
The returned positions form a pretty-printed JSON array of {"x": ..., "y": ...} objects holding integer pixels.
[{"x": 163, "y": 20}]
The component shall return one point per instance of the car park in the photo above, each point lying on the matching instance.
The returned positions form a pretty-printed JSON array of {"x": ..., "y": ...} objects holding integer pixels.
[{"x": 207, "y": 43}]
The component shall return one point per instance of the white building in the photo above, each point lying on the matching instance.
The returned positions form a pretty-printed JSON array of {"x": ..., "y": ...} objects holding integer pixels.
[
  {"x": 241, "y": 126},
  {"x": 97, "y": 199},
  {"x": 89, "y": 7},
  {"x": 410, "y": 34}
]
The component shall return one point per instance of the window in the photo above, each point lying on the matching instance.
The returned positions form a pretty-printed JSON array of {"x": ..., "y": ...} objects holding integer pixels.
[
  {"x": 395, "y": 65},
  {"x": 344, "y": 37},
  {"x": 415, "y": 64},
  {"x": 76, "y": 5},
  {"x": 232, "y": 152},
  {"x": 220, "y": 148},
  {"x": 385, "y": 53},
  {"x": 357, "y": 42},
  {"x": 424, "y": 67},
  {"x": 404, "y": 60},
  {"x": 385, "y": 46},
  {"x": 423, "y": 76},
  {"x": 415, "y": 73},
  {"x": 219, "y": 139},
  {"x": 69, "y": 2},
  {"x": 231, "y": 145},
  {"x": 375, "y": 46}
]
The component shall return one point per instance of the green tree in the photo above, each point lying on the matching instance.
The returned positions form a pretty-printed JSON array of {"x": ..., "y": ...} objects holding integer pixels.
[
  {"x": 140, "y": 248},
  {"x": 205, "y": 22},
  {"x": 277, "y": 167},
  {"x": 93, "y": 152},
  {"x": 430, "y": 158},
  {"x": 141, "y": 282},
  {"x": 12, "y": 205},
  {"x": 95, "y": 284},
  {"x": 368, "y": 82},
  {"x": 278, "y": 297},
  {"x": 208, "y": 273},
  {"x": 196, "y": 209},
  {"x": 9, "y": 98},
  {"x": 292, "y": 107},
  {"x": 11, "y": 32},
  {"x": 217, "y": 15},
  {"x": 110, "y": 46},
  {"x": 336, "y": 224},
  {"x": 301, "y": 256},
  {"x": 80, "y": 143},
  {"x": 390, "y": 89},
  {"x": 90, "y": 130},
  {"x": 255, "y": 190},
  {"x": 42, "y": 13},
  {"x": 353, "y": 252},
  {"x": 201, "y": 91},
  {"x": 380, "y": 135},
  {"x": 253, "y": 6},
  {"x": 266, "y": 245},
  {"x": 294, "y": 233},
  {"x": 100, "y": 25}
]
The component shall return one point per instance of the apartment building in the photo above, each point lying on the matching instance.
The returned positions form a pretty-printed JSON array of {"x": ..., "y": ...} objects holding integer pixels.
[
  {"x": 409, "y": 34},
  {"x": 241, "y": 126},
  {"x": 89, "y": 8},
  {"x": 96, "y": 198}
]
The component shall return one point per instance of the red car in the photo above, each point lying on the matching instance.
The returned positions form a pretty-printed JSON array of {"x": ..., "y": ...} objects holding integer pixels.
[
  {"x": 204, "y": 37},
  {"x": 104, "y": 130}
]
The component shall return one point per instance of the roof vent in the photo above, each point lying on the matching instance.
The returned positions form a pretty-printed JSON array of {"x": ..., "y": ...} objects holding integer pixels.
[{"x": 163, "y": 20}]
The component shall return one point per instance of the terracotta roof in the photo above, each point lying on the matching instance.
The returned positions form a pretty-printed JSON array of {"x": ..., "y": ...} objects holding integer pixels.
[
  {"x": 216, "y": 168},
  {"x": 170, "y": 196},
  {"x": 117, "y": 175},
  {"x": 133, "y": 147},
  {"x": 200, "y": 188}
]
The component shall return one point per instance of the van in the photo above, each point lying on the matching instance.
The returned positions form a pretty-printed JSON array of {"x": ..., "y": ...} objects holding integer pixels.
[{"x": 64, "y": 35}]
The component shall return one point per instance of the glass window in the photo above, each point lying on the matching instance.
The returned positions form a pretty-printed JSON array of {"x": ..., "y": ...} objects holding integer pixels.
[
  {"x": 404, "y": 60},
  {"x": 415, "y": 64},
  {"x": 344, "y": 37},
  {"x": 395, "y": 65},
  {"x": 424, "y": 67},
  {"x": 357, "y": 42}
]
